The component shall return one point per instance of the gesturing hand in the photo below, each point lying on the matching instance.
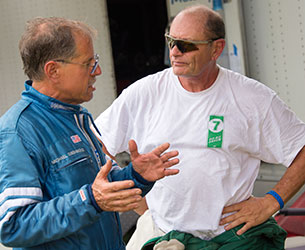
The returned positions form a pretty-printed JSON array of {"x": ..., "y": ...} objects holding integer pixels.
[
  {"x": 115, "y": 196},
  {"x": 153, "y": 165}
]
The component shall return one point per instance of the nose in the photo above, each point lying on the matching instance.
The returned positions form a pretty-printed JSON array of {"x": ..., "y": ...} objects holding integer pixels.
[
  {"x": 98, "y": 71},
  {"x": 175, "y": 51}
]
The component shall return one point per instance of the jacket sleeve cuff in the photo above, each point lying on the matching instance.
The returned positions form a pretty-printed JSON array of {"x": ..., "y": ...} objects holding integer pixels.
[
  {"x": 92, "y": 199},
  {"x": 138, "y": 177}
]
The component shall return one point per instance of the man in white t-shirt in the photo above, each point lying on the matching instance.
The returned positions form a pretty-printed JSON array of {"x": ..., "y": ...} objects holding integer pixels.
[{"x": 222, "y": 123}]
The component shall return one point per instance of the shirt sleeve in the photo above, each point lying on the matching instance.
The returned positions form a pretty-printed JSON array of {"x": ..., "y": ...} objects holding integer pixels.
[{"x": 282, "y": 134}]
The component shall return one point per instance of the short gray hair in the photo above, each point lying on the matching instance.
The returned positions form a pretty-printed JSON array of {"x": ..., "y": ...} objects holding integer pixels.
[{"x": 47, "y": 39}]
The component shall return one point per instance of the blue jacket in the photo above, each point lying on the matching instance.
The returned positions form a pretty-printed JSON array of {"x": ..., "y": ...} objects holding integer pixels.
[{"x": 49, "y": 158}]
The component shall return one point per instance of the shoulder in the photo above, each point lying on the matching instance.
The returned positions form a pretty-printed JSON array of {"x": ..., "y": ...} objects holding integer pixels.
[
  {"x": 10, "y": 119},
  {"x": 146, "y": 88},
  {"x": 248, "y": 89},
  {"x": 250, "y": 97}
]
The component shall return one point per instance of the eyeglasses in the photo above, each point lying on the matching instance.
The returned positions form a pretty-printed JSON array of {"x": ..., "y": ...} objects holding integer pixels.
[
  {"x": 185, "y": 45},
  {"x": 94, "y": 66}
]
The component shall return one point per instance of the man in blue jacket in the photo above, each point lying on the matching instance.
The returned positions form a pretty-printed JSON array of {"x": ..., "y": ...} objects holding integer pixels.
[{"x": 56, "y": 189}]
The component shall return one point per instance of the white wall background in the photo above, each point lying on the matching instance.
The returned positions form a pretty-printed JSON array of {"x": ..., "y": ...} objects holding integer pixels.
[
  {"x": 14, "y": 14},
  {"x": 275, "y": 32}
]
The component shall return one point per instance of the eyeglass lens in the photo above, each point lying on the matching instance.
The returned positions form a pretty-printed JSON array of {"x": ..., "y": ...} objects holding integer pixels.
[
  {"x": 181, "y": 45},
  {"x": 95, "y": 64}
]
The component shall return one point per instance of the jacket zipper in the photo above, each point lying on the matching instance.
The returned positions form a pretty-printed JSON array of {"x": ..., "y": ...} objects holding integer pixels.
[{"x": 82, "y": 129}]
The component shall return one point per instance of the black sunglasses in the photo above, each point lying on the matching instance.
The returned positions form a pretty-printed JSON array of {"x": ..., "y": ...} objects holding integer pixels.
[{"x": 185, "y": 45}]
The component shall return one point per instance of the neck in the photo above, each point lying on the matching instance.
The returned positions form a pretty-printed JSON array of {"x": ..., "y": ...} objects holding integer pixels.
[
  {"x": 200, "y": 82},
  {"x": 44, "y": 88}
]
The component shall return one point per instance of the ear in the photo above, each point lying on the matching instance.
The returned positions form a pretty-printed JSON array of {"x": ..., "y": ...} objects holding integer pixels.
[
  {"x": 218, "y": 47},
  {"x": 52, "y": 70}
]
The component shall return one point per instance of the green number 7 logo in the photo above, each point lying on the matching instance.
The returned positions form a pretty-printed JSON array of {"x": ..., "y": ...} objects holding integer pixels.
[{"x": 215, "y": 134}]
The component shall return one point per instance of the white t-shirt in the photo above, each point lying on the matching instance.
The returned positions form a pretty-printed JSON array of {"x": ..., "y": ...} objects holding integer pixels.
[{"x": 221, "y": 133}]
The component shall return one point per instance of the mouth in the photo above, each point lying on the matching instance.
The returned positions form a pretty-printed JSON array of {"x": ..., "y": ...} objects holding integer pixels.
[
  {"x": 91, "y": 86},
  {"x": 177, "y": 63}
]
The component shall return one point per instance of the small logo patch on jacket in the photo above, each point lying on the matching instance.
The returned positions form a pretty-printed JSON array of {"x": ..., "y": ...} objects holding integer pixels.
[
  {"x": 82, "y": 195},
  {"x": 75, "y": 138}
]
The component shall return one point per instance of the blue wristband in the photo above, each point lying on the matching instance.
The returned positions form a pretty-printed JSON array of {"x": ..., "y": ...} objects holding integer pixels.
[{"x": 277, "y": 197}]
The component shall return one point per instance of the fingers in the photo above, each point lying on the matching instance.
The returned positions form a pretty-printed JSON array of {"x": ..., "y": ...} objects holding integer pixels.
[
  {"x": 243, "y": 229},
  {"x": 237, "y": 222},
  {"x": 116, "y": 196},
  {"x": 230, "y": 209},
  {"x": 102, "y": 176},
  {"x": 154, "y": 165},
  {"x": 160, "y": 149},
  {"x": 170, "y": 163},
  {"x": 118, "y": 186},
  {"x": 133, "y": 149},
  {"x": 167, "y": 163},
  {"x": 104, "y": 171},
  {"x": 122, "y": 194},
  {"x": 250, "y": 212},
  {"x": 165, "y": 157},
  {"x": 122, "y": 200},
  {"x": 232, "y": 219},
  {"x": 101, "y": 181},
  {"x": 168, "y": 172},
  {"x": 122, "y": 205},
  {"x": 113, "y": 198}
]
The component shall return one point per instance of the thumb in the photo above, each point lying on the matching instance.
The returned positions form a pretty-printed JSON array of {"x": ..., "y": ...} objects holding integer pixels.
[
  {"x": 105, "y": 169},
  {"x": 133, "y": 149}
]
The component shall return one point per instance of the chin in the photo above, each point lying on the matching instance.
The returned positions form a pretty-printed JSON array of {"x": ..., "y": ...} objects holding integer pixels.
[
  {"x": 89, "y": 97},
  {"x": 177, "y": 71},
  {"x": 180, "y": 68},
  {"x": 180, "y": 73}
]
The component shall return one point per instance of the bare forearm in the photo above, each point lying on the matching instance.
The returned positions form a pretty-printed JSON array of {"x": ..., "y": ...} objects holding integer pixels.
[{"x": 293, "y": 179}]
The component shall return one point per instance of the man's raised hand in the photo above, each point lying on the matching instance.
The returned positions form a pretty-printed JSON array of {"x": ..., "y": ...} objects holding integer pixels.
[
  {"x": 115, "y": 196},
  {"x": 155, "y": 164}
]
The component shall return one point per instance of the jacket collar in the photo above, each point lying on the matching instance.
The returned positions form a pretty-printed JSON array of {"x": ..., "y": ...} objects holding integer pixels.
[{"x": 49, "y": 102}]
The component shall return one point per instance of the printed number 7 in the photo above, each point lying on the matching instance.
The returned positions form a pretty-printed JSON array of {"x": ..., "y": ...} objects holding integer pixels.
[{"x": 216, "y": 125}]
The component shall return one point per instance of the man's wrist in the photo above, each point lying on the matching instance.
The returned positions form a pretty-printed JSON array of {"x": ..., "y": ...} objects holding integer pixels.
[
  {"x": 139, "y": 177},
  {"x": 92, "y": 199},
  {"x": 278, "y": 198}
]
